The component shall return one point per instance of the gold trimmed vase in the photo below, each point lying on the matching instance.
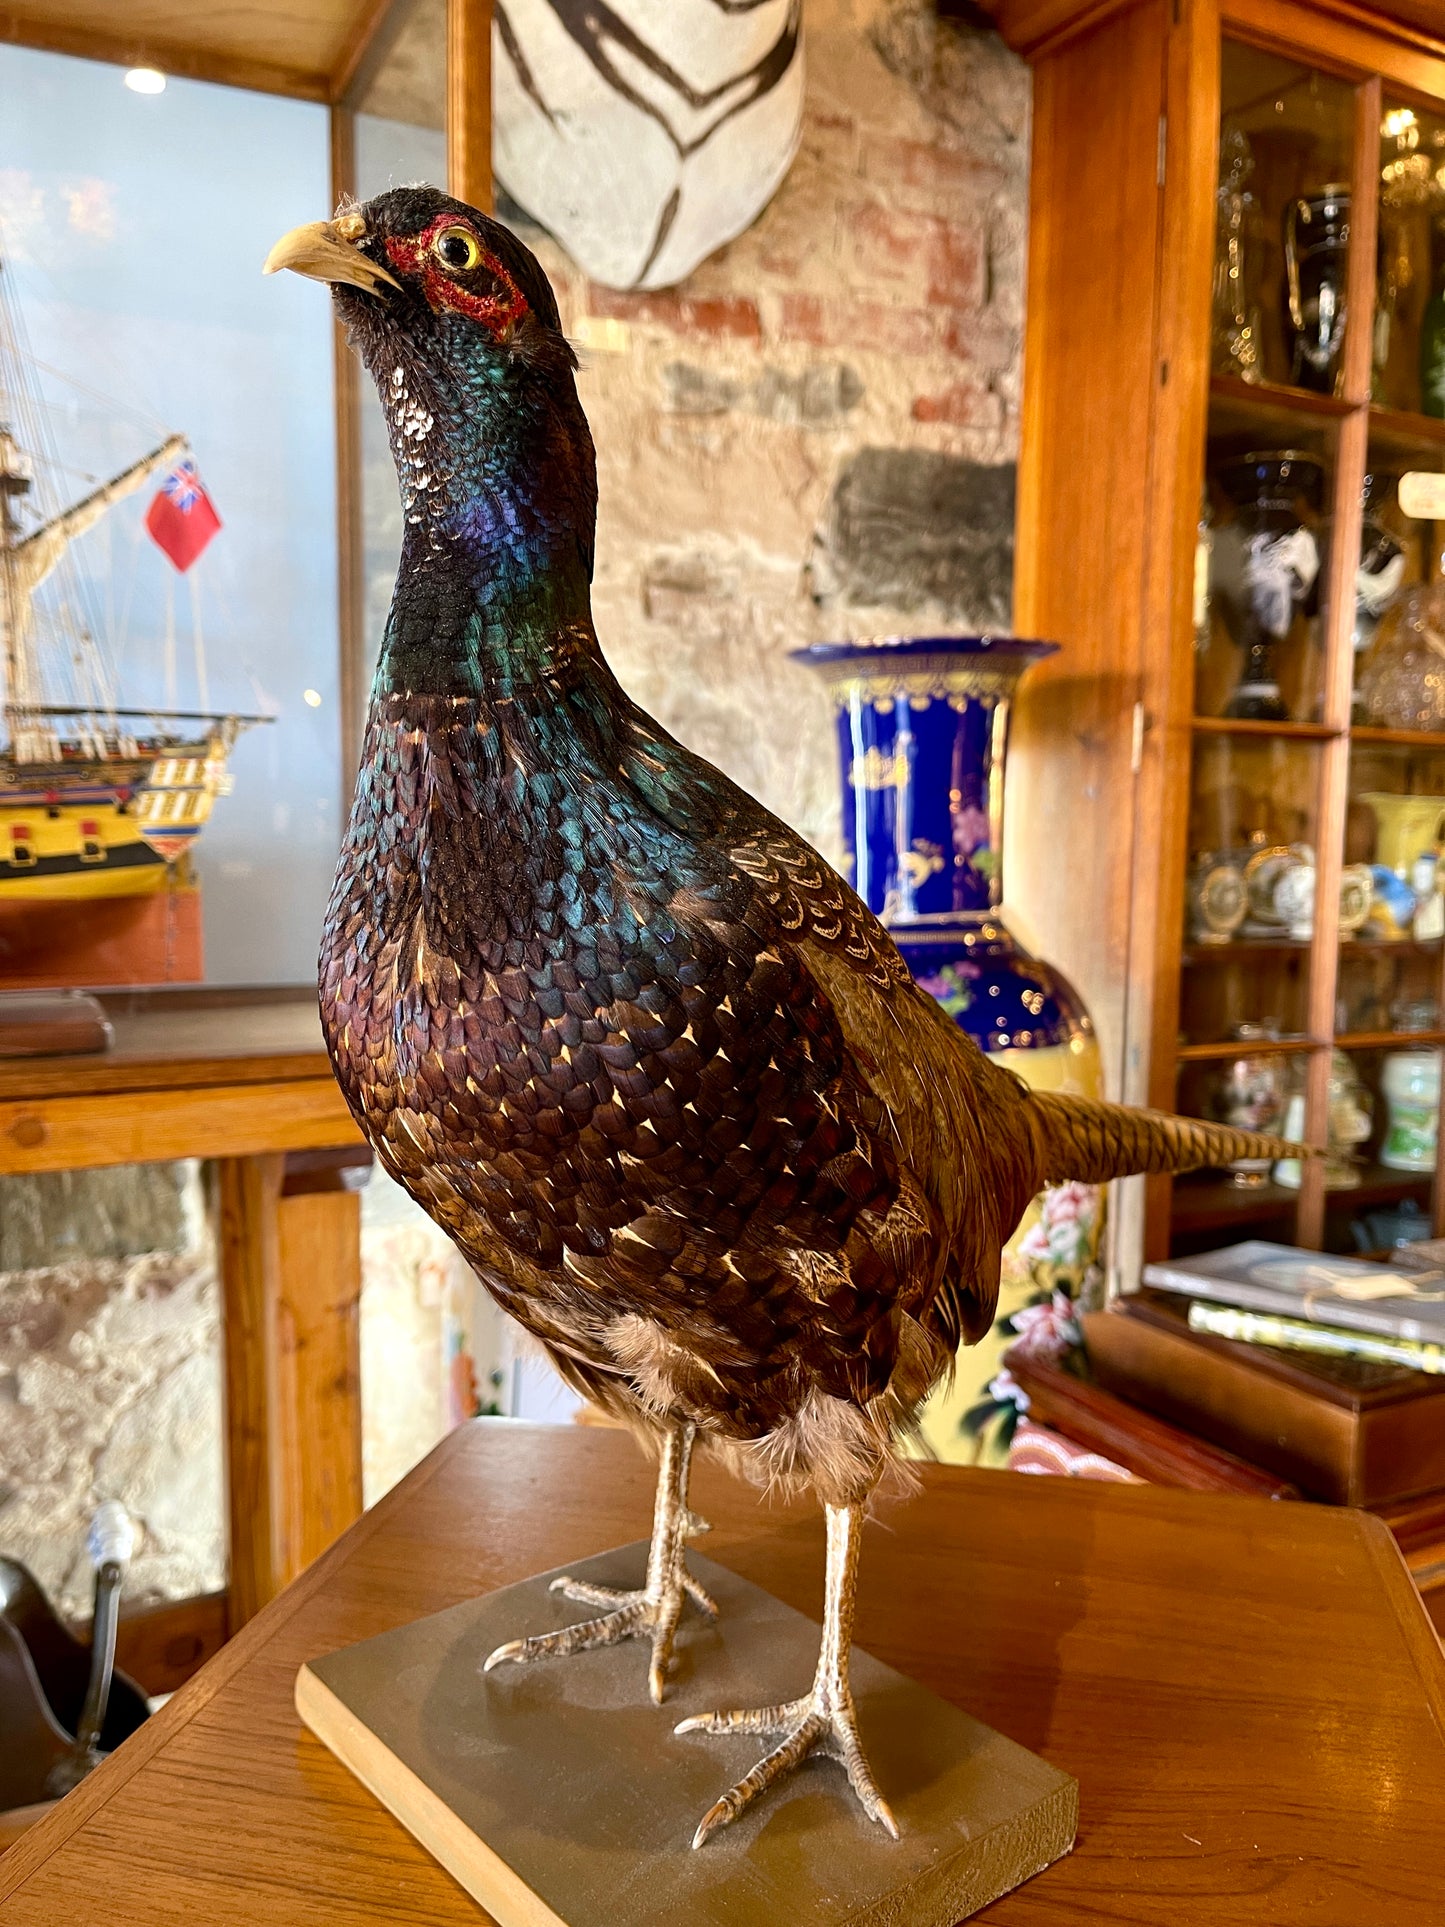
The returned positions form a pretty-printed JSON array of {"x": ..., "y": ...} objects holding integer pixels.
[{"x": 922, "y": 730}]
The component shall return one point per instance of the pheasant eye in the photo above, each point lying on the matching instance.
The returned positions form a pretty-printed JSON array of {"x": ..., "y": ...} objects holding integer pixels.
[{"x": 456, "y": 247}]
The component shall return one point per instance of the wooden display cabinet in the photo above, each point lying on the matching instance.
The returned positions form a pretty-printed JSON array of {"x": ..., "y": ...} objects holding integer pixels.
[{"x": 1130, "y": 757}]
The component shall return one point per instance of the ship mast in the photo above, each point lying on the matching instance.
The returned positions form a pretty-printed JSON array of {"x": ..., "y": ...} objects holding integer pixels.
[
  {"x": 25, "y": 562},
  {"x": 16, "y": 476},
  {"x": 30, "y": 553}
]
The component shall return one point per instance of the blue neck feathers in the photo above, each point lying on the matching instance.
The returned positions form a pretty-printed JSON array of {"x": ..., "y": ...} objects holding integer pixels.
[{"x": 499, "y": 494}]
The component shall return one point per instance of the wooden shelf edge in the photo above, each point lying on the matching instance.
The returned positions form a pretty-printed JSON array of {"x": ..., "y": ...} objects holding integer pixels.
[
  {"x": 1210, "y": 1202},
  {"x": 1369, "y": 733},
  {"x": 1247, "y": 726},
  {"x": 1248, "y": 948},
  {"x": 1397, "y": 738},
  {"x": 1400, "y": 425},
  {"x": 1280, "y": 397},
  {"x": 1238, "y": 1047},
  {"x": 1389, "y": 1039}
]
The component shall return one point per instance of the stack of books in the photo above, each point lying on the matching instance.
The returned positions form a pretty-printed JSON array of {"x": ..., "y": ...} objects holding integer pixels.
[
  {"x": 1323, "y": 1369},
  {"x": 1310, "y": 1301}
]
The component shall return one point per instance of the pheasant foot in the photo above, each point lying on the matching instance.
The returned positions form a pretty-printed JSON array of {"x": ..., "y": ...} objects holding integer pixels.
[
  {"x": 810, "y": 1726},
  {"x": 653, "y": 1609},
  {"x": 824, "y": 1721}
]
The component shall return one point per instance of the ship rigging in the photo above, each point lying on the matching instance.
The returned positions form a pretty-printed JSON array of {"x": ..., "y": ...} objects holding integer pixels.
[{"x": 97, "y": 799}]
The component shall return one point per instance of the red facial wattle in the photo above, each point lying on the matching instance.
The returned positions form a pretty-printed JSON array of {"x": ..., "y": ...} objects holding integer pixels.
[{"x": 497, "y": 310}]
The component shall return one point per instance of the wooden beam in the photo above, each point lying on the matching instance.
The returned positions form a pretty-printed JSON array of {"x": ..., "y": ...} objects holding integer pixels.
[
  {"x": 374, "y": 32},
  {"x": 318, "y": 1356},
  {"x": 291, "y": 1289},
  {"x": 1360, "y": 34},
  {"x": 250, "y": 1264},
  {"x": 469, "y": 102},
  {"x": 1034, "y": 28},
  {"x": 350, "y": 533},
  {"x": 128, "y": 49},
  {"x": 1337, "y": 621}
]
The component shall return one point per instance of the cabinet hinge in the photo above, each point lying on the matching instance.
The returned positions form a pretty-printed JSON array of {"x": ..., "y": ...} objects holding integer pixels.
[
  {"x": 1163, "y": 144},
  {"x": 1136, "y": 744}
]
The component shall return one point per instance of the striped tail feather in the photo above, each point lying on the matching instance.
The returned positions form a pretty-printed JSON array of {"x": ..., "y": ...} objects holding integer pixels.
[{"x": 1091, "y": 1141}]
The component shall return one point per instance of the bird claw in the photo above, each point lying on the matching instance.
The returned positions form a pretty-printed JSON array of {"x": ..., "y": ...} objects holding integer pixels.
[
  {"x": 586, "y": 1594},
  {"x": 699, "y": 1596},
  {"x": 653, "y": 1609},
  {"x": 811, "y": 1725},
  {"x": 633, "y": 1615}
]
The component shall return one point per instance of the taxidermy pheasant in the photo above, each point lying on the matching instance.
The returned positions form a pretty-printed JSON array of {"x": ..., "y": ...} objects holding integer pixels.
[{"x": 629, "y": 1039}]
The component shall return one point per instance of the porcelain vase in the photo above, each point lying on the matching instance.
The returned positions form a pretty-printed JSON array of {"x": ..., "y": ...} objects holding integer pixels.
[{"x": 922, "y": 735}]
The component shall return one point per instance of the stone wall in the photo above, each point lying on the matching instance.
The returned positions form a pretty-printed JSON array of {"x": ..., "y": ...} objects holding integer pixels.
[{"x": 110, "y": 1388}]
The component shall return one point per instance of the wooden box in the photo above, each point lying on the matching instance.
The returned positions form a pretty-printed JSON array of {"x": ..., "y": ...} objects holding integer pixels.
[
  {"x": 1346, "y": 1430},
  {"x": 1152, "y": 1450}
]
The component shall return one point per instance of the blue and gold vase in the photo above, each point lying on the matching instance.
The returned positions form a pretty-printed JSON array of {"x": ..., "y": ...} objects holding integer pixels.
[
  {"x": 922, "y": 729},
  {"x": 922, "y": 734}
]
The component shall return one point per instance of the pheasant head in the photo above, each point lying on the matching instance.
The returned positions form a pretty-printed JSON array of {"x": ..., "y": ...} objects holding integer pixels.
[{"x": 459, "y": 329}]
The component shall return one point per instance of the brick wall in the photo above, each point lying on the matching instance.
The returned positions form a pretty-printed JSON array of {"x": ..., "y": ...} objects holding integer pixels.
[{"x": 814, "y": 435}]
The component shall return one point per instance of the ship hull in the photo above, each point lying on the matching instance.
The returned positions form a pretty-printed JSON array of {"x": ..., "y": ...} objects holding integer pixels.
[
  {"x": 54, "y": 849},
  {"x": 104, "y": 942},
  {"x": 79, "y": 831}
]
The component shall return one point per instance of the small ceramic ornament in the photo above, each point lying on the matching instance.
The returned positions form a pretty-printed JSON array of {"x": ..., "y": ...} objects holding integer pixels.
[
  {"x": 1348, "y": 1127},
  {"x": 1392, "y": 906},
  {"x": 1411, "y": 1083},
  {"x": 1250, "y": 1093},
  {"x": 1217, "y": 901},
  {"x": 1429, "y": 904},
  {"x": 1279, "y": 880},
  {"x": 1357, "y": 889},
  {"x": 644, "y": 134}
]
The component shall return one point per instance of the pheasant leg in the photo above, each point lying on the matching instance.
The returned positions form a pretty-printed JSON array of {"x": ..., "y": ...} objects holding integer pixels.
[
  {"x": 825, "y": 1721},
  {"x": 652, "y": 1611}
]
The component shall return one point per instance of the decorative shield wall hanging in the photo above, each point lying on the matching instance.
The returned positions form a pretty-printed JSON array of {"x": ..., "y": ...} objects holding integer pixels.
[{"x": 644, "y": 134}]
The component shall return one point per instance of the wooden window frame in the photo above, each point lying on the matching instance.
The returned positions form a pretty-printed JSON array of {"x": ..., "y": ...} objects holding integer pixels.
[{"x": 469, "y": 178}]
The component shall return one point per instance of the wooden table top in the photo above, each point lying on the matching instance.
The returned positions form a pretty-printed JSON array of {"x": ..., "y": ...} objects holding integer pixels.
[
  {"x": 1249, "y": 1694},
  {"x": 181, "y": 1038}
]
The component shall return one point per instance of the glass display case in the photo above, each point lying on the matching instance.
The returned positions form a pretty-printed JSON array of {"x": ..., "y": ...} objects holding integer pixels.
[
  {"x": 1231, "y": 492},
  {"x": 1313, "y": 946},
  {"x": 169, "y": 777},
  {"x": 390, "y": 132}
]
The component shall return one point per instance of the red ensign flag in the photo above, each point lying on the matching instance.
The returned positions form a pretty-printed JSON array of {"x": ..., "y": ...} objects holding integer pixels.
[{"x": 182, "y": 519}]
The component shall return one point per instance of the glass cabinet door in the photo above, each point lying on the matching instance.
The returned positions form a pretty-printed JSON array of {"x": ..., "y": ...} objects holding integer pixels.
[
  {"x": 395, "y": 114},
  {"x": 1312, "y": 988}
]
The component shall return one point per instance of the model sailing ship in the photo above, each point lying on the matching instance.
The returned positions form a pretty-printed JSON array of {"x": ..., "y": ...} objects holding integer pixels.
[{"x": 96, "y": 800}]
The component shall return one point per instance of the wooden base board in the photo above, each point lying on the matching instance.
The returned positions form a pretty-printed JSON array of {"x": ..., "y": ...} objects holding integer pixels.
[{"x": 559, "y": 1795}]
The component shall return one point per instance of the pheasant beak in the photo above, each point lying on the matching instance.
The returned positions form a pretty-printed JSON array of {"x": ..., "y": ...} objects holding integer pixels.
[{"x": 327, "y": 251}]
